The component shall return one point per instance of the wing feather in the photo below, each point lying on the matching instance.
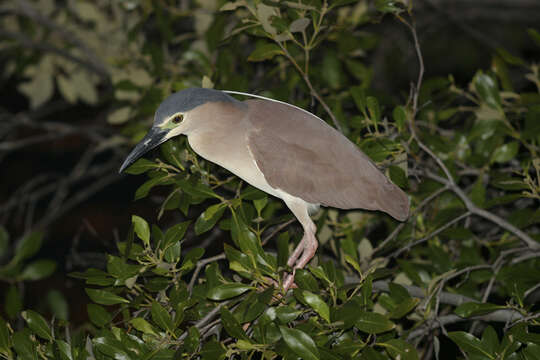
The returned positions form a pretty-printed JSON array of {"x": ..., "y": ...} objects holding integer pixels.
[{"x": 302, "y": 155}]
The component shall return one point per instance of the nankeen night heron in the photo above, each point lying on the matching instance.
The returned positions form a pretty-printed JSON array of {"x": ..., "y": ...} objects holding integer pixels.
[{"x": 280, "y": 149}]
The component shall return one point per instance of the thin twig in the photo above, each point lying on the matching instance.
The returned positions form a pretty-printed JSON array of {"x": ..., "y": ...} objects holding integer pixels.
[
  {"x": 200, "y": 265},
  {"x": 434, "y": 233}
]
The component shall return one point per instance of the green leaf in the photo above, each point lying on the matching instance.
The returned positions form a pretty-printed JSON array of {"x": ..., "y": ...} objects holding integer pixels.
[
  {"x": 333, "y": 73},
  {"x": 478, "y": 193},
  {"x": 191, "y": 258},
  {"x": 488, "y": 90},
  {"x": 473, "y": 309},
  {"x": 238, "y": 261},
  {"x": 65, "y": 349},
  {"x": 299, "y": 25},
  {"x": 13, "y": 302},
  {"x": 28, "y": 246},
  {"x": 260, "y": 204},
  {"x": 300, "y": 343},
  {"x": 265, "y": 52},
  {"x": 141, "y": 229},
  {"x": 38, "y": 270},
  {"x": 398, "y": 176},
  {"x": 193, "y": 340},
  {"x": 197, "y": 189},
  {"x": 490, "y": 340},
  {"x": 231, "y": 325},
  {"x": 286, "y": 314},
  {"x": 4, "y": 339},
  {"x": 208, "y": 219},
  {"x": 359, "y": 96},
  {"x": 403, "y": 308},
  {"x": 509, "y": 58},
  {"x": 58, "y": 304},
  {"x": 26, "y": 349},
  {"x": 373, "y": 323},
  {"x": 227, "y": 291},
  {"x": 305, "y": 281},
  {"x": 469, "y": 343},
  {"x": 98, "y": 315},
  {"x": 256, "y": 304},
  {"x": 143, "y": 326},
  {"x": 213, "y": 350},
  {"x": 161, "y": 317},
  {"x": 374, "y": 109},
  {"x": 111, "y": 347},
  {"x": 399, "y": 349},
  {"x": 105, "y": 297},
  {"x": 144, "y": 189},
  {"x": 535, "y": 35},
  {"x": 175, "y": 233},
  {"x": 506, "y": 152},
  {"x": 400, "y": 117},
  {"x": 317, "y": 304},
  {"x": 4, "y": 241},
  {"x": 389, "y": 6},
  {"x": 37, "y": 324},
  {"x": 141, "y": 166}
]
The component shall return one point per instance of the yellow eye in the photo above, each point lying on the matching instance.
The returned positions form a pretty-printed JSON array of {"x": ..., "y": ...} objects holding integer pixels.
[{"x": 177, "y": 119}]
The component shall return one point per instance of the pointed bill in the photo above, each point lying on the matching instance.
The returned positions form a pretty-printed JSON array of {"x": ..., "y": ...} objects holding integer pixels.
[{"x": 153, "y": 138}]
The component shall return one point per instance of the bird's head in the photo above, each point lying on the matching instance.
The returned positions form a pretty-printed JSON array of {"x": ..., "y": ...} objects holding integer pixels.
[{"x": 173, "y": 117}]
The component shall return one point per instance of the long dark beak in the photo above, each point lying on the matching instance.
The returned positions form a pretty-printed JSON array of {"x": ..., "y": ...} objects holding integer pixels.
[{"x": 154, "y": 137}]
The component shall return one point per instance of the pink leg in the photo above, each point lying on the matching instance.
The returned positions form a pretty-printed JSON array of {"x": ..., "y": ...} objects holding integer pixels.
[
  {"x": 310, "y": 247},
  {"x": 297, "y": 252},
  {"x": 308, "y": 244}
]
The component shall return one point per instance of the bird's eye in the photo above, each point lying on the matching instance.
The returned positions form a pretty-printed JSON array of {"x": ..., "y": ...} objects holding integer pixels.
[{"x": 177, "y": 119}]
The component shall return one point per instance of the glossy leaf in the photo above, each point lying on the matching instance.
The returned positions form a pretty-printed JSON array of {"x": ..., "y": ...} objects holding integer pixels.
[
  {"x": 13, "y": 302},
  {"x": 470, "y": 344},
  {"x": 28, "y": 246},
  {"x": 208, "y": 219},
  {"x": 399, "y": 349},
  {"x": 299, "y": 25},
  {"x": 37, "y": 324},
  {"x": 98, "y": 315},
  {"x": 227, "y": 291},
  {"x": 143, "y": 326},
  {"x": 403, "y": 308},
  {"x": 105, "y": 297},
  {"x": 487, "y": 89},
  {"x": 142, "y": 229},
  {"x": 473, "y": 309},
  {"x": 213, "y": 350},
  {"x": 231, "y": 325},
  {"x": 4, "y": 339},
  {"x": 317, "y": 304},
  {"x": 506, "y": 152},
  {"x": 112, "y": 347},
  {"x": 175, "y": 233},
  {"x": 300, "y": 343},
  {"x": 161, "y": 317},
  {"x": 140, "y": 166},
  {"x": 374, "y": 109},
  {"x": 38, "y": 270},
  {"x": 24, "y": 346},
  {"x": 373, "y": 323}
]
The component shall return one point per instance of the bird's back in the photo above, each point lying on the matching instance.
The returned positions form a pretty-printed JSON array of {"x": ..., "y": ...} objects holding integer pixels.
[{"x": 302, "y": 155}]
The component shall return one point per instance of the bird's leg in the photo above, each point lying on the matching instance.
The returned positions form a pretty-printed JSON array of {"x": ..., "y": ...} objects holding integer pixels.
[
  {"x": 297, "y": 252},
  {"x": 309, "y": 246},
  {"x": 306, "y": 247}
]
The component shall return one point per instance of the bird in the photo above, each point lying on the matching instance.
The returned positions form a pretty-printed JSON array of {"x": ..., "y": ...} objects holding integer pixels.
[{"x": 280, "y": 149}]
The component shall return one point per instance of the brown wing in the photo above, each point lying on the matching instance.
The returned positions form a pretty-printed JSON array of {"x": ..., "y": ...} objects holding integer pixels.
[{"x": 302, "y": 155}]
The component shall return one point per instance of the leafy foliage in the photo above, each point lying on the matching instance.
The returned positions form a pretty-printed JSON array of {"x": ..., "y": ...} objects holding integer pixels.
[{"x": 459, "y": 277}]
